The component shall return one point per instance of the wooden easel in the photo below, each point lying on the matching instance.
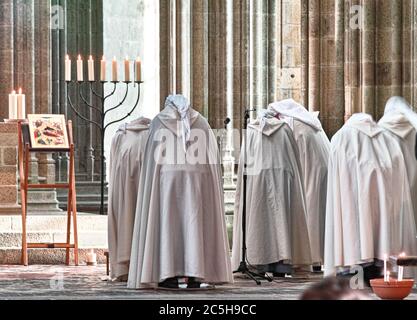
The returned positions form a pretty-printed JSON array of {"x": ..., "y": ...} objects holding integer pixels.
[{"x": 24, "y": 151}]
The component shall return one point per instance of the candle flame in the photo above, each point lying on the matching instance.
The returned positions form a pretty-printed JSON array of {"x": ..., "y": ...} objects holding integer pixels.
[
  {"x": 79, "y": 57},
  {"x": 103, "y": 58},
  {"x": 67, "y": 57},
  {"x": 20, "y": 90},
  {"x": 114, "y": 58},
  {"x": 91, "y": 57},
  {"x": 138, "y": 59},
  {"x": 127, "y": 58},
  {"x": 14, "y": 92}
]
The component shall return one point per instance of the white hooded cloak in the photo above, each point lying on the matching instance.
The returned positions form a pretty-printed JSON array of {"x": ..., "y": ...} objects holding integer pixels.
[
  {"x": 126, "y": 157},
  {"x": 369, "y": 207},
  {"x": 399, "y": 127},
  {"x": 313, "y": 146},
  {"x": 275, "y": 210},
  {"x": 180, "y": 228}
]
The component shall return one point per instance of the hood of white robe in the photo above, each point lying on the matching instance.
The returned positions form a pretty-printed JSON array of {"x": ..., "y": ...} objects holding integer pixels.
[
  {"x": 268, "y": 127},
  {"x": 364, "y": 123},
  {"x": 399, "y": 117},
  {"x": 178, "y": 116},
  {"x": 291, "y": 108},
  {"x": 139, "y": 124}
]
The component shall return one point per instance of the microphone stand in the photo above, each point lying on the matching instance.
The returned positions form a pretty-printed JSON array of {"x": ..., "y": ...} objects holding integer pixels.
[{"x": 243, "y": 266}]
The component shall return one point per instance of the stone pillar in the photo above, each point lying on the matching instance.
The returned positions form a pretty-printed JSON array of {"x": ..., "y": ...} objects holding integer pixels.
[{"x": 8, "y": 169}]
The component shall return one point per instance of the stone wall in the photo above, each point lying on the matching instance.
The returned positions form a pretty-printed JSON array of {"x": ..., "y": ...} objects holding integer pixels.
[{"x": 8, "y": 168}]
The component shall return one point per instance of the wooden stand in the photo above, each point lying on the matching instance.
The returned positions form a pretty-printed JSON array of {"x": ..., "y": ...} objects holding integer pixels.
[{"x": 24, "y": 151}]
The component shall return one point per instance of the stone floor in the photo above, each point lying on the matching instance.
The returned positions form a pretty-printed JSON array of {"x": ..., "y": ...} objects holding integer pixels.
[{"x": 61, "y": 282}]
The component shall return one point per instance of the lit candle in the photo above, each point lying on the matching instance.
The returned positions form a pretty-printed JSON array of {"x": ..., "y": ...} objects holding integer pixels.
[
  {"x": 114, "y": 69},
  {"x": 103, "y": 70},
  {"x": 12, "y": 105},
  {"x": 21, "y": 108},
  {"x": 127, "y": 69},
  {"x": 91, "y": 258},
  {"x": 80, "y": 76},
  {"x": 388, "y": 276},
  {"x": 385, "y": 267},
  {"x": 401, "y": 269},
  {"x": 67, "y": 68},
  {"x": 138, "y": 67},
  {"x": 91, "y": 69}
]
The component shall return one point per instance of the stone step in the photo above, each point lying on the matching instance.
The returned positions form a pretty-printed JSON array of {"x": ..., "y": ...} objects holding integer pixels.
[
  {"x": 86, "y": 239},
  {"x": 48, "y": 256}
]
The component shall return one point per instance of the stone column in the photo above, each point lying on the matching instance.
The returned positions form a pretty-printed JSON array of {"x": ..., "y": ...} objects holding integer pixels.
[{"x": 8, "y": 169}]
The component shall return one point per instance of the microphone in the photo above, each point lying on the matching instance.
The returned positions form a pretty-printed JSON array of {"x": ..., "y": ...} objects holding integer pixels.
[{"x": 226, "y": 122}]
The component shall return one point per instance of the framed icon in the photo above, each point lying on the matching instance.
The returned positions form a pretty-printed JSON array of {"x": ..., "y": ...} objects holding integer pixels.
[{"x": 48, "y": 131}]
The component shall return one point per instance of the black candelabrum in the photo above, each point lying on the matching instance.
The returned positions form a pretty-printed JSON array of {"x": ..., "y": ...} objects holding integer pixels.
[{"x": 102, "y": 113}]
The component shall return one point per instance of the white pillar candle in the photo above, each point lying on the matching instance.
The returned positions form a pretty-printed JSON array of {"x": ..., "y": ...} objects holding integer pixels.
[
  {"x": 12, "y": 105},
  {"x": 401, "y": 269},
  {"x": 127, "y": 69},
  {"x": 388, "y": 276},
  {"x": 103, "y": 69},
  {"x": 21, "y": 105},
  {"x": 385, "y": 267},
  {"x": 114, "y": 69},
  {"x": 91, "y": 69},
  {"x": 91, "y": 257},
  {"x": 80, "y": 71},
  {"x": 67, "y": 68},
  {"x": 138, "y": 67}
]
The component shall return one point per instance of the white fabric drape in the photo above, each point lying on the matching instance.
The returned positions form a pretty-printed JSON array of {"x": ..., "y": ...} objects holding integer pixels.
[
  {"x": 369, "y": 206},
  {"x": 276, "y": 212},
  {"x": 125, "y": 166},
  {"x": 313, "y": 146},
  {"x": 180, "y": 227},
  {"x": 398, "y": 125}
]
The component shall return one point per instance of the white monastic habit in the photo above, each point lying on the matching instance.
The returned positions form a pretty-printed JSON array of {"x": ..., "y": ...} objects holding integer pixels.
[
  {"x": 277, "y": 234},
  {"x": 180, "y": 228},
  {"x": 369, "y": 206},
  {"x": 397, "y": 124},
  {"x": 313, "y": 146},
  {"x": 126, "y": 157}
]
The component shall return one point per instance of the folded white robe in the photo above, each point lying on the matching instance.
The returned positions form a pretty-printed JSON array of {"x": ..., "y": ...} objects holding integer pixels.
[
  {"x": 180, "y": 227},
  {"x": 125, "y": 165},
  {"x": 398, "y": 126},
  {"x": 313, "y": 146},
  {"x": 369, "y": 207},
  {"x": 276, "y": 212}
]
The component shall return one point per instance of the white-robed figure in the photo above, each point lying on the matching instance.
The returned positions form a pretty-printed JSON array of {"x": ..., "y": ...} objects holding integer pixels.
[
  {"x": 397, "y": 124},
  {"x": 313, "y": 146},
  {"x": 180, "y": 228},
  {"x": 277, "y": 234},
  {"x": 126, "y": 157},
  {"x": 369, "y": 207}
]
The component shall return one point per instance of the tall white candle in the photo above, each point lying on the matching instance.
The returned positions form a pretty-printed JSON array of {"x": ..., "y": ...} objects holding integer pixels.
[
  {"x": 114, "y": 69},
  {"x": 12, "y": 105},
  {"x": 103, "y": 69},
  {"x": 80, "y": 71},
  {"x": 21, "y": 105},
  {"x": 138, "y": 67},
  {"x": 385, "y": 267},
  {"x": 90, "y": 69},
  {"x": 67, "y": 68},
  {"x": 388, "y": 276},
  {"x": 127, "y": 69}
]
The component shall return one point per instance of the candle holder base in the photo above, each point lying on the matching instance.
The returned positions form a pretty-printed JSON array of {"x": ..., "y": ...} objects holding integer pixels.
[{"x": 392, "y": 289}]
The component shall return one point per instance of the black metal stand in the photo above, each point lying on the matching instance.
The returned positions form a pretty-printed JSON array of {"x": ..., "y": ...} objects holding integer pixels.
[
  {"x": 243, "y": 267},
  {"x": 102, "y": 126}
]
